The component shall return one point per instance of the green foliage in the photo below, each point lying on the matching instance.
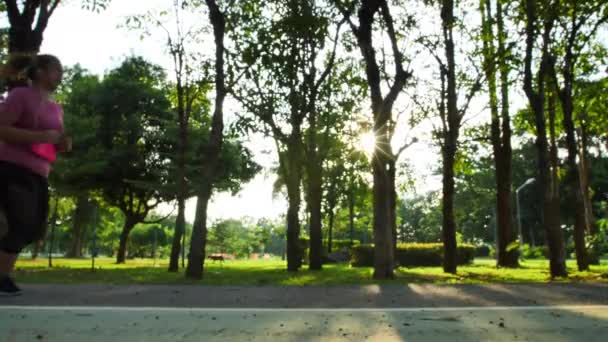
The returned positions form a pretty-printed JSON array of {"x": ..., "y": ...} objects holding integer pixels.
[
  {"x": 132, "y": 105},
  {"x": 146, "y": 240},
  {"x": 591, "y": 105},
  {"x": 77, "y": 171},
  {"x": 597, "y": 245},
  {"x": 341, "y": 245},
  {"x": 413, "y": 255},
  {"x": 475, "y": 198},
  {"x": 537, "y": 252},
  {"x": 512, "y": 246},
  {"x": 236, "y": 165},
  {"x": 362, "y": 256},
  {"x": 271, "y": 273},
  {"x": 236, "y": 238},
  {"x": 124, "y": 147},
  {"x": 420, "y": 218}
]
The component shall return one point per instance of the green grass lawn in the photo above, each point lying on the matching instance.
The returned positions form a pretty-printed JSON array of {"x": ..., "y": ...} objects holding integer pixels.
[{"x": 272, "y": 272}]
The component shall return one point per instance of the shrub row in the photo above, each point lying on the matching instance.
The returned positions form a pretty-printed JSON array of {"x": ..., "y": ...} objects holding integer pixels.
[
  {"x": 336, "y": 244},
  {"x": 413, "y": 255}
]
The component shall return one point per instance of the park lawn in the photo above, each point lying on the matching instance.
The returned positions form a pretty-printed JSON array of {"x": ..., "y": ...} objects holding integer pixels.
[{"x": 272, "y": 272}]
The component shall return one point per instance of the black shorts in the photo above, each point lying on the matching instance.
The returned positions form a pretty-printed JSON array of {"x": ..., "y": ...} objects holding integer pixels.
[{"x": 24, "y": 200}]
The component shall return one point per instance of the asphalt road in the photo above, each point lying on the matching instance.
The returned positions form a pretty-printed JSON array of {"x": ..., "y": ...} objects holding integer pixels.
[{"x": 542, "y": 312}]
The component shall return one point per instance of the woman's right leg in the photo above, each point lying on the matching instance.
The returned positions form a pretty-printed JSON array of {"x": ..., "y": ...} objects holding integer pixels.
[
  {"x": 7, "y": 263},
  {"x": 8, "y": 258},
  {"x": 25, "y": 204}
]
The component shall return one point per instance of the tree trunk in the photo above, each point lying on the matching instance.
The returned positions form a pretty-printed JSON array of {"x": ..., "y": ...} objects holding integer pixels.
[
  {"x": 294, "y": 252},
  {"x": 128, "y": 226},
  {"x": 500, "y": 132},
  {"x": 182, "y": 146},
  {"x": 575, "y": 187},
  {"x": 505, "y": 186},
  {"x": 27, "y": 25},
  {"x": 507, "y": 255},
  {"x": 452, "y": 123},
  {"x": 575, "y": 193},
  {"x": 392, "y": 202},
  {"x": 551, "y": 214},
  {"x": 532, "y": 238},
  {"x": 184, "y": 241},
  {"x": 536, "y": 98},
  {"x": 316, "y": 238},
  {"x": 180, "y": 225},
  {"x": 384, "y": 257},
  {"x": 351, "y": 216},
  {"x": 332, "y": 202},
  {"x": 213, "y": 149},
  {"x": 449, "y": 219},
  {"x": 82, "y": 215},
  {"x": 314, "y": 168},
  {"x": 23, "y": 40},
  {"x": 330, "y": 235},
  {"x": 198, "y": 243},
  {"x": 382, "y": 109},
  {"x": 585, "y": 168}
]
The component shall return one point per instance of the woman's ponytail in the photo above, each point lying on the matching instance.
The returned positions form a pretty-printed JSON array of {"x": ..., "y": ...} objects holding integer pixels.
[{"x": 18, "y": 71}]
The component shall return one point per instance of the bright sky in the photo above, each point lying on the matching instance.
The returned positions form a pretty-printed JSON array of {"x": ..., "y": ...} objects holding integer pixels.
[{"x": 98, "y": 43}]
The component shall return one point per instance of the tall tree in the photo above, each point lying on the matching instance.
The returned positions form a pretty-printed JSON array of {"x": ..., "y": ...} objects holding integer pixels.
[
  {"x": 182, "y": 40},
  {"x": 539, "y": 23},
  {"x": 277, "y": 60},
  {"x": 456, "y": 83},
  {"x": 579, "y": 22},
  {"x": 322, "y": 117},
  {"x": 452, "y": 119},
  {"x": 212, "y": 148},
  {"x": 590, "y": 106},
  {"x": 496, "y": 64},
  {"x": 382, "y": 109},
  {"x": 132, "y": 105}
]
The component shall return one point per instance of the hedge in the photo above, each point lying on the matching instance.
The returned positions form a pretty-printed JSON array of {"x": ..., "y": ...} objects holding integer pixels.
[
  {"x": 413, "y": 255},
  {"x": 482, "y": 251},
  {"x": 336, "y": 244}
]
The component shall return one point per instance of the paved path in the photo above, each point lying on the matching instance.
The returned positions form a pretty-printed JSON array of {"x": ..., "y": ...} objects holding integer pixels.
[
  {"x": 372, "y": 296},
  {"x": 554, "y": 312},
  {"x": 189, "y": 325}
]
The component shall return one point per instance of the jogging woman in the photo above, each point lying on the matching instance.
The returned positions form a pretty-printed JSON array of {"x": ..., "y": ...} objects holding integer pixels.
[{"x": 31, "y": 132}]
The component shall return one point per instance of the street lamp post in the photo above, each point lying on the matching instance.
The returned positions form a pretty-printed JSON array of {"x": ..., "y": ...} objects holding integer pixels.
[{"x": 527, "y": 183}]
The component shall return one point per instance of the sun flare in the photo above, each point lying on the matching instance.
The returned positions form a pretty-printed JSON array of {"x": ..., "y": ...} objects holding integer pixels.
[{"x": 367, "y": 143}]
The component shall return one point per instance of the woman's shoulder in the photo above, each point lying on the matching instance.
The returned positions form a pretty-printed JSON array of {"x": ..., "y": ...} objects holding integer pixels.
[
  {"x": 16, "y": 99},
  {"x": 20, "y": 92}
]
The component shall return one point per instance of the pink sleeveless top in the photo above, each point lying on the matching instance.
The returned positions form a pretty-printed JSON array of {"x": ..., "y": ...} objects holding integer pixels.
[{"x": 33, "y": 113}]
